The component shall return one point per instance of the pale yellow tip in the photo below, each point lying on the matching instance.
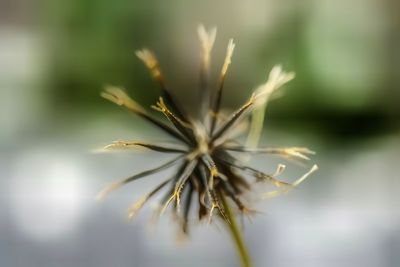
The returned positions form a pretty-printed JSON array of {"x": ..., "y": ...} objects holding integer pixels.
[
  {"x": 147, "y": 57},
  {"x": 119, "y": 145},
  {"x": 272, "y": 194},
  {"x": 228, "y": 57},
  {"x": 104, "y": 193},
  {"x": 276, "y": 79},
  {"x": 299, "y": 152},
  {"x": 113, "y": 94},
  {"x": 207, "y": 38},
  {"x": 133, "y": 210},
  {"x": 121, "y": 98}
]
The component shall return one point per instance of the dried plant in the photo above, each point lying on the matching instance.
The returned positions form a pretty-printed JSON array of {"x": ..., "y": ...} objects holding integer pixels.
[{"x": 207, "y": 170}]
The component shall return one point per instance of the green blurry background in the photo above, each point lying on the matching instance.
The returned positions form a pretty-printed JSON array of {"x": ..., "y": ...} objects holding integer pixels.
[
  {"x": 344, "y": 55},
  {"x": 56, "y": 56}
]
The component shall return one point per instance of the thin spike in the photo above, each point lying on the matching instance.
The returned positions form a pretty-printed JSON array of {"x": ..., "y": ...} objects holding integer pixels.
[
  {"x": 289, "y": 152},
  {"x": 103, "y": 193},
  {"x": 217, "y": 102},
  {"x": 133, "y": 210},
  {"x": 211, "y": 196},
  {"x": 202, "y": 192},
  {"x": 182, "y": 180},
  {"x": 228, "y": 57},
  {"x": 302, "y": 178},
  {"x": 151, "y": 63},
  {"x": 170, "y": 191},
  {"x": 239, "y": 129},
  {"x": 257, "y": 99},
  {"x": 180, "y": 183},
  {"x": 233, "y": 119},
  {"x": 119, "y": 97},
  {"x": 186, "y": 211},
  {"x": 276, "y": 79},
  {"x": 271, "y": 179},
  {"x": 221, "y": 208},
  {"x": 183, "y": 127},
  {"x": 210, "y": 164},
  {"x": 257, "y": 174},
  {"x": 216, "y": 204},
  {"x": 207, "y": 39},
  {"x": 203, "y": 177},
  {"x": 227, "y": 187},
  {"x": 238, "y": 182},
  {"x": 166, "y": 148},
  {"x": 294, "y": 185}
]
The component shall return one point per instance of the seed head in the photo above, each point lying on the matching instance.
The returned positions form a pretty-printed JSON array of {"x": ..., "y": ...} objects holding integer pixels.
[{"x": 208, "y": 173}]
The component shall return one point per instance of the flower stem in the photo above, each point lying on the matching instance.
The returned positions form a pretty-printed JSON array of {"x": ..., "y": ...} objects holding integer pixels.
[{"x": 236, "y": 235}]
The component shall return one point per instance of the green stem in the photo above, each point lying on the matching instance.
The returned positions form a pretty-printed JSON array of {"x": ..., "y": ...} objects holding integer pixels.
[{"x": 236, "y": 235}]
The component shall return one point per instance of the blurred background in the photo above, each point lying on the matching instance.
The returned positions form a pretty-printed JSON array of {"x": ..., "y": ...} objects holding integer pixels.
[{"x": 56, "y": 56}]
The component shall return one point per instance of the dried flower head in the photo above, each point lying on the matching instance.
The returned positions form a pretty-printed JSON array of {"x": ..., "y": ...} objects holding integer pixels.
[{"x": 207, "y": 171}]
